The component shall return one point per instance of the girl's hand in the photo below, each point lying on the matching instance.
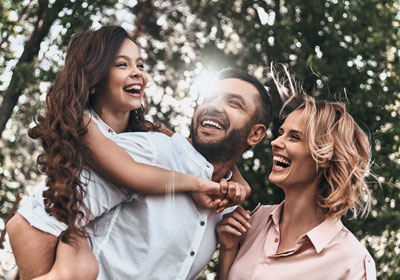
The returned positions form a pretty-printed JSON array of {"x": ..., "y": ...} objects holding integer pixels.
[
  {"x": 236, "y": 193},
  {"x": 231, "y": 228},
  {"x": 208, "y": 194}
]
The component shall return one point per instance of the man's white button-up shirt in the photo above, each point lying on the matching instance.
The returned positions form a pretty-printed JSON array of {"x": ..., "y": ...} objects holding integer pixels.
[{"x": 144, "y": 237}]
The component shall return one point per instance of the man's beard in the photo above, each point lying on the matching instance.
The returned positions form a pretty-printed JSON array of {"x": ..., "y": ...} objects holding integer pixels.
[{"x": 224, "y": 149}]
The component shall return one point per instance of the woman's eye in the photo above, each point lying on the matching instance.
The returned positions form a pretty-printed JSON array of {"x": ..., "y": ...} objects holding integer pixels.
[{"x": 295, "y": 137}]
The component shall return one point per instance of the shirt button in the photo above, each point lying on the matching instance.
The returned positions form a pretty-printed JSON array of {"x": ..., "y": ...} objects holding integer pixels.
[
  {"x": 192, "y": 254},
  {"x": 276, "y": 240},
  {"x": 202, "y": 223}
]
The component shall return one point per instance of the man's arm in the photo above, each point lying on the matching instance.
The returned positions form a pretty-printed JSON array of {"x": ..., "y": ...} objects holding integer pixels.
[{"x": 33, "y": 258}]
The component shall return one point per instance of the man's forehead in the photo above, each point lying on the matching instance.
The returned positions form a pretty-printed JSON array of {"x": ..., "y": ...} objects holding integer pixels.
[{"x": 235, "y": 86}]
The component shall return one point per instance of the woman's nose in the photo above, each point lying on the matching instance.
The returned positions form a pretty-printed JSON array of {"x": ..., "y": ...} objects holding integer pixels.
[{"x": 277, "y": 142}]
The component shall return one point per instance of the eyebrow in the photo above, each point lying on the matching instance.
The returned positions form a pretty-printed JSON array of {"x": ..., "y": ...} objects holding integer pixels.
[
  {"x": 237, "y": 96},
  {"x": 292, "y": 131},
  {"x": 128, "y": 58}
]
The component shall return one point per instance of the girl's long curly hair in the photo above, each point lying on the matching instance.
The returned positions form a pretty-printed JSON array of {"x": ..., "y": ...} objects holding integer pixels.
[
  {"x": 338, "y": 145},
  {"x": 89, "y": 57}
]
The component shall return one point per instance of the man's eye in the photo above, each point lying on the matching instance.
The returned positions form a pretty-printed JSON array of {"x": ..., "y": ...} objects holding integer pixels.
[{"x": 235, "y": 103}]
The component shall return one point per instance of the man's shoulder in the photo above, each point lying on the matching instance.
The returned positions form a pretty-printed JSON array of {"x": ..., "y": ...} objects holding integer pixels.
[{"x": 152, "y": 137}]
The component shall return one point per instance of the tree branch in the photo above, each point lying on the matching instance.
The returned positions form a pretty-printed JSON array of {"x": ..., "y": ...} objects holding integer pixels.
[
  {"x": 46, "y": 18},
  {"x": 143, "y": 12}
]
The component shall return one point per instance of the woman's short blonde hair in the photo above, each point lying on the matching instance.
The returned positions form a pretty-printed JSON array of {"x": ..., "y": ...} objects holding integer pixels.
[{"x": 340, "y": 148}]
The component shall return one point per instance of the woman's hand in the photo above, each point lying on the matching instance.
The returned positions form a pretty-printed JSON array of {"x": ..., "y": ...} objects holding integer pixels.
[{"x": 231, "y": 228}]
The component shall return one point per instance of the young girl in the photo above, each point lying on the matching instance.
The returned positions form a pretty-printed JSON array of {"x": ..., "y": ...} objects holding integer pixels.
[
  {"x": 321, "y": 158},
  {"x": 99, "y": 92}
]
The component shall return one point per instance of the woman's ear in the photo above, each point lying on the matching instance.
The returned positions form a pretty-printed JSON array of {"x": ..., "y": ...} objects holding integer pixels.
[{"x": 257, "y": 133}]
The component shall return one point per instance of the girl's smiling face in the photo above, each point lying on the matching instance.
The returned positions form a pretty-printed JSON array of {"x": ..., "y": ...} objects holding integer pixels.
[
  {"x": 293, "y": 165},
  {"x": 123, "y": 87}
]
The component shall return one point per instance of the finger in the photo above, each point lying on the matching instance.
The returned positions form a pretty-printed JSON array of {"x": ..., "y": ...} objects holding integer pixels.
[
  {"x": 240, "y": 210},
  {"x": 228, "y": 229},
  {"x": 238, "y": 193},
  {"x": 235, "y": 223},
  {"x": 230, "y": 194},
  {"x": 223, "y": 185},
  {"x": 243, "y": 196},
  {"x": 219, "y": 209},
  {"x": 224, "y": 203},
  {"x": 209, "y": 187},
  {"x": 243, "y": 220},
  {"x": 214, "y": 203}
]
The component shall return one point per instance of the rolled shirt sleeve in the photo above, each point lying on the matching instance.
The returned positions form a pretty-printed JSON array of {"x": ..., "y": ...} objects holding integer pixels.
[{"x": 33, "y": 210}]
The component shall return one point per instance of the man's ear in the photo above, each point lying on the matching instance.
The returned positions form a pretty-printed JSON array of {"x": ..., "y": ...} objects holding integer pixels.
[{"x": 256, "y": 134}]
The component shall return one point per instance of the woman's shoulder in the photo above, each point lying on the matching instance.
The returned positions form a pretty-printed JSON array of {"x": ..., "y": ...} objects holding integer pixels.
[
  {"x": 351, "y": 252},
  {"x": 350, "y": 244}
]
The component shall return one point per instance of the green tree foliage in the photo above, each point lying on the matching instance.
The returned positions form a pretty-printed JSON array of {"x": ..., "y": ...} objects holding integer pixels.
[
  {"x": 338, "y": 50},
  {"x": 33, "y": 38}
]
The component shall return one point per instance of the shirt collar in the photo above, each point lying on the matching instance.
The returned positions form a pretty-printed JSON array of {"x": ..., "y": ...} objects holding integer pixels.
[
  {"x": 320, "y": 236},
  {"x": 323, "y": 234},
  {"x": 275, "y": 215},
  {"x": 228, "y": 175}
]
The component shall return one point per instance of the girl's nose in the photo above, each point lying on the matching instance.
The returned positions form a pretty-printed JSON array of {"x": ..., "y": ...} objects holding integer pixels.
[{"x": 136, "y": 73}]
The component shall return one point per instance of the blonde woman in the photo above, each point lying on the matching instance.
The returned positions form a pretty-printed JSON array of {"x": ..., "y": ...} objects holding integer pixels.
[{"x": 320, "y": 160}]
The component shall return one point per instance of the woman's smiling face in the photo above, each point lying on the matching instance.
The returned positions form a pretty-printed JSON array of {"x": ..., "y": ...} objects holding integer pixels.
[{"x": 293, "y": 164}]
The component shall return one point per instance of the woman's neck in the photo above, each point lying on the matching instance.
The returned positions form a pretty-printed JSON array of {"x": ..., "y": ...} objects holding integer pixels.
[
  {"x": 117, "y": 120},
  {"x": 299, "y": 215},
  {"x": 302, "y": 210}
]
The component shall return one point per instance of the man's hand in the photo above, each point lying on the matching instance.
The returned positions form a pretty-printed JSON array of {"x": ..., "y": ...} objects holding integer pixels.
[
  {"x": 236, "y": 193},
  {"x": 208, "y": 194}
]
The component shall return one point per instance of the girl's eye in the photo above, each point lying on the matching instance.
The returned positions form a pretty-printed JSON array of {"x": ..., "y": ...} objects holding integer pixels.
[
  {"x": 122, "y": 64},
  {"x": 140, "y": 66}
]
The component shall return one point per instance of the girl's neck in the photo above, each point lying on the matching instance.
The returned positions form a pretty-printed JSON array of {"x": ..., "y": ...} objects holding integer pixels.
[{"x": 117, "y": 120}]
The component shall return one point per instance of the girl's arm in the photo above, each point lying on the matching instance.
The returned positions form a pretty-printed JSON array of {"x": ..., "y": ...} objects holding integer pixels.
[
  {"x": 230, "y": 230},
  {"x": 119, "y": 166}
]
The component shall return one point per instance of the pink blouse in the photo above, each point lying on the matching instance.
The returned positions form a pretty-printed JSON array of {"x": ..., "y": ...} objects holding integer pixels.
[{"x": 328, "y": 251}]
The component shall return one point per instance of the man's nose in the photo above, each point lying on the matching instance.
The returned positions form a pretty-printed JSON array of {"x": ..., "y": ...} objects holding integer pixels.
[{"x": 213, "y": 108}]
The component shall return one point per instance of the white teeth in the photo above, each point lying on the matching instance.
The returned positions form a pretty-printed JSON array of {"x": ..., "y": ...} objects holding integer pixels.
[
  {"x": 282, "y": 160},
  {"x": 134, "y": 87},
  {"x": 217, "y": 125}
]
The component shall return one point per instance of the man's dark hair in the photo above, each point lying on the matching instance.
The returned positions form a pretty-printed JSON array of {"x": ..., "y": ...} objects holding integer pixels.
[{"x": 263, "y": 112}]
